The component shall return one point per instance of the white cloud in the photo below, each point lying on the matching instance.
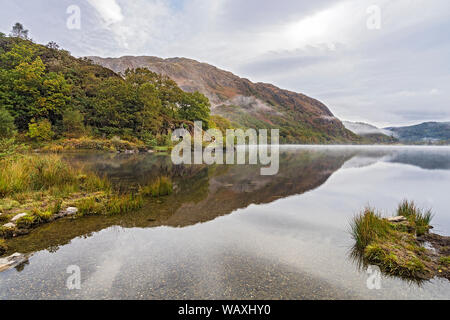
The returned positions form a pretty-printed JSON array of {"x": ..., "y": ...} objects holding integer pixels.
[
  {"x": 109, "y": 10},
  {"x": 323, "y": 48}
]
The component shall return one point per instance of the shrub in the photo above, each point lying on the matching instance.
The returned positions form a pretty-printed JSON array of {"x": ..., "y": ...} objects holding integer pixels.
[
  {"x": 73, "y": 123},
  {"x": 41, "y": 130},
  {"x": 7, "y": 127}
]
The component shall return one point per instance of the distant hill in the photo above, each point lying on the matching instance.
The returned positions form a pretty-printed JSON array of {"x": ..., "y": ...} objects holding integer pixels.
[
  {"x": 428, "y": 132},
  {"x": 370, "y": 133},
  {"x": 301, "y": 119}
]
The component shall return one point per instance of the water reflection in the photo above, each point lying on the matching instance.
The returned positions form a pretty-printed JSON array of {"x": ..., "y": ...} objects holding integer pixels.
[{"x": 228, "y": 232}]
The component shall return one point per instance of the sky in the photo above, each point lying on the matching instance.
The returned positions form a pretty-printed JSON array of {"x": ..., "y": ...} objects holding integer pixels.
[{"x": 385, "y": 62}]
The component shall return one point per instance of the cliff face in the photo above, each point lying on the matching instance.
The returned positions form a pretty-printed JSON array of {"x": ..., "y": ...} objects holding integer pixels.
[{"x": 301, "y": 119}]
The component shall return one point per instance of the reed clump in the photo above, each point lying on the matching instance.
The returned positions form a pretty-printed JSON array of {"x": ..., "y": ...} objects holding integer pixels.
[
  {"x": 393, "y": 246},
  {"x": 161, "y": 187}
]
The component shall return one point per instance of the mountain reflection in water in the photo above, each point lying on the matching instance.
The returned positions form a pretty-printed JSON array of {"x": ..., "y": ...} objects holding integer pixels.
[{"x": 205, "y": 193}]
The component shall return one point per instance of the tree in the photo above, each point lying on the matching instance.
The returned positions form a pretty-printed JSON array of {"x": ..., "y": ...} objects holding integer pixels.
[
  {"x": 41, "y": 130},
  {"x": 52, "y": 45},
  {"x": 7, "y": 127},
  {"x": 73, "y": 123},
  {"x": 195, "y": 107},
  {"x": 18, "y": 31}
]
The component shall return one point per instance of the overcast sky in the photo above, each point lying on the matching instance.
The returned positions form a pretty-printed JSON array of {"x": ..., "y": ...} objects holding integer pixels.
[{"x": 332, "y": 50}]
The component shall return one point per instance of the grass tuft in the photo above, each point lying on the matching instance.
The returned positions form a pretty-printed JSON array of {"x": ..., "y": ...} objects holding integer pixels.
[{"x": 163, "y": 186}]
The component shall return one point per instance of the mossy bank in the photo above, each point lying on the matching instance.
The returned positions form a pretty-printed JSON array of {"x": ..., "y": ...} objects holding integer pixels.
[{"x": 401, "y": 245}]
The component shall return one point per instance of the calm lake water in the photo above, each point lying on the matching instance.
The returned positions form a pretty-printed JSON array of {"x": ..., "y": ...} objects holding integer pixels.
[{"x": 230, "y": 233}]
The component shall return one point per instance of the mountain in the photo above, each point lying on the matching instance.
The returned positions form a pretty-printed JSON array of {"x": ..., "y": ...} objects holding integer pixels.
[
  {"x": 370, "y": 133},
  {"x": 427, "y": 132},
  {"x": 301, "y": 119}
]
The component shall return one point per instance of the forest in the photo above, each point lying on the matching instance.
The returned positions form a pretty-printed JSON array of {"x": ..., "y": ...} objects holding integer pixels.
[{"x": 47, "y": 94}]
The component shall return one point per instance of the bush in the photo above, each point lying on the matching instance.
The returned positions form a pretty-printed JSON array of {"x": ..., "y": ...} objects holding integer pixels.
[
  {"x": 41, "y": 130},
  {"x": 73, "y": 123},
  {"x": 7, "y": 127}
]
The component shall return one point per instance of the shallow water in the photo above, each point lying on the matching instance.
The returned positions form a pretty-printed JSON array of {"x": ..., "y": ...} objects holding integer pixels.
[{"x": 228, "y": 232}]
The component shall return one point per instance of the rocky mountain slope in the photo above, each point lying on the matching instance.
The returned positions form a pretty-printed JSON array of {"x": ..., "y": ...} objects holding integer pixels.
[{"x": 301, "y": 119}]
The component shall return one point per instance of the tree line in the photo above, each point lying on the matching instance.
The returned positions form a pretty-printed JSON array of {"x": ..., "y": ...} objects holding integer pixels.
[{"x": 45, "y": 93}]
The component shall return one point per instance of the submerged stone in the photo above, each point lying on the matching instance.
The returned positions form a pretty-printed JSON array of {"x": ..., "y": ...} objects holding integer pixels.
[{"x": 12, "y": 261}]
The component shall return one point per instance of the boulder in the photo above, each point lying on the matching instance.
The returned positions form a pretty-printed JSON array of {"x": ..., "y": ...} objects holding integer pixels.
[
  {"x": 9, "y": 225},
  {"x": 70, "y": 211},
  {"x": 17, "y": 217}
]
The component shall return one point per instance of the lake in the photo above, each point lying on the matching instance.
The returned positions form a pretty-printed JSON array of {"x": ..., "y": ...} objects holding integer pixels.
[{"x": 229, "y": 233}]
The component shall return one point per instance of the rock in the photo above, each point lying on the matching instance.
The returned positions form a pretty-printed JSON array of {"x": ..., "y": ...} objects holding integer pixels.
[
  {"x": 70, "y": 211},
  {"x": 9, "y": 225},
  {"x": 17, "y": 217},
  {"x": 129, "y": 151},
  {"x": 12, "y": 261},
  {"x": 397, "y": 219}
]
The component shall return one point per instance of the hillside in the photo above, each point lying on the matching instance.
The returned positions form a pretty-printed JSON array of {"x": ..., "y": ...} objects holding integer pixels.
[
  {"x": 301, "y": 119},
  {"x": 370, "y": 133},
  {"x": 427, "y": 132},
  {"x": 47, "y": 94}
]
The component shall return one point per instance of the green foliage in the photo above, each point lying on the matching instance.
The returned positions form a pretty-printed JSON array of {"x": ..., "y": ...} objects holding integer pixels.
[
  {"x": 41, "y": 130},
  {"x": 221, "y": 123},
  {"x": 7, "y": 127},
  {"x": 44, "y": 82},
  {"x": 7, "y": 147},
  {"x": 393, "y": 246},
  {"x": 19, "y": 31},
  {"x": 41, "y": 216},
  {"x": 163, "y": 186},
  {"x": 445, "y": 260},
  {"x": 26, "y": 222},
  {"x": 73, "y": 123},
  {"x": 195, "y": 107},
  {"x": 45, "y": 173},
  {"x": 113, "y": 205},
  {"x": 3, "y": 247},
  {"x": 368, "y": 227},
  {"x": 419, "y": 220}
]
